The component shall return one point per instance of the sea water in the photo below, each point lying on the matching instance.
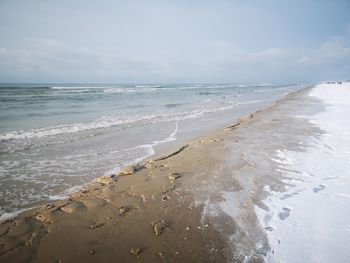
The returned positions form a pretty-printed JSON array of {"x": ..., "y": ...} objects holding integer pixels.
[{"x": 55, "y": 138}]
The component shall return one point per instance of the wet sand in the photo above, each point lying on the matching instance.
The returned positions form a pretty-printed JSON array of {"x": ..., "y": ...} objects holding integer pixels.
[{"x": 195, "y": 204}]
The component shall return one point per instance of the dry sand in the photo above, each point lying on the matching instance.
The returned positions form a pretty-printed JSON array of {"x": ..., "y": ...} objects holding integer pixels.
[{"x": 157, "y": 211}]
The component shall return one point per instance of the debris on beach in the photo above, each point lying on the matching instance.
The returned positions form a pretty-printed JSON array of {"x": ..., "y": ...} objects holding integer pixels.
[
  {"x": 172, "y": 154},
  {"x": 136, "y": 251},
  {"x": 130, "y": 169},
  {"x": 72, "y": 207},
  {"x": 159, "y": 227},
  {"x": 165, "y": 197},
  {"x": 231, "y": 126},
  {"x": 43, "y": 218},
  {"x": 246, "y": 118},
  {"x": 106, "y": 179},
  {"x": 174, "y": 175},
  {"x": 123, "y": 210},
  {"x": 97, "y": 225},
  {"x": 152, "y": 165},
  {"x": 127, "y": 170}
]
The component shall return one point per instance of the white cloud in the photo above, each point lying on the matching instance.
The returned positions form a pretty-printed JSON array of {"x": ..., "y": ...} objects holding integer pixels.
[
  {"x": 332, "y": 52},
  {"x": 176, "y": 41},
  {"x": 214, "y": 61}
]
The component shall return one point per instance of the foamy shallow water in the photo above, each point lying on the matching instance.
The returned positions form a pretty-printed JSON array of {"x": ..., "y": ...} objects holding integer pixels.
[{"x": 54, "y": 138}]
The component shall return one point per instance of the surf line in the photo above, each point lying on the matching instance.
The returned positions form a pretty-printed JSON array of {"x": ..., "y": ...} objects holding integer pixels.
[{"x": 149, "y": 147}]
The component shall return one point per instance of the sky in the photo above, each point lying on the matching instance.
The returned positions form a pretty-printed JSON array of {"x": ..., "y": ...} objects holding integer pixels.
[{"x": 179, "y": 41}]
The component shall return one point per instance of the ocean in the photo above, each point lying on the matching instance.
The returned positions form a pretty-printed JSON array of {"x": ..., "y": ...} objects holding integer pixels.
[{"x": 56, "y": 138}]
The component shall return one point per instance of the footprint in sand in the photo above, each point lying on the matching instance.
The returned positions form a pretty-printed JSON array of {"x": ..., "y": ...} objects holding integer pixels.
[
  {"x": 319, "y": 188},
  {"x": 269, "y": 228},
  {"x": 331, "y": 178},
  {"x": 286, "y": 196},
  {"x": 283, "y": 215}
]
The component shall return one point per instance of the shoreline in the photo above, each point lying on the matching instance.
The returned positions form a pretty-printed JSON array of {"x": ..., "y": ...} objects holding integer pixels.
[
  {"x": 130, "y": 195},
  {"x": 158, "y": 147},
  {"x": 74, "y": 159}
]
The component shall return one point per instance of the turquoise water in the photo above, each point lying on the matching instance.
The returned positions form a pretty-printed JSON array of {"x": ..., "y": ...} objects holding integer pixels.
[{"x": 55, "y": 138}]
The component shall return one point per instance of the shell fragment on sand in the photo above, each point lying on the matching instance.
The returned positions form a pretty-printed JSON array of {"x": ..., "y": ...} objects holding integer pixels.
[
  {"x": 136, "y": 251},
  {"x": 98, "y": 225},
  {"x": 159, "y": 227},
  {"x": 174, "y": 175}
]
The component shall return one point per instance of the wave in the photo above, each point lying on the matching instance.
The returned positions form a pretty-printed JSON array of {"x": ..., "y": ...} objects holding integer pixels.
[
  {"x": 9, "y": 87},
  {"x": 208, "y": 93},
  {"x": 9, "y": 215},
  {"x": 115, "y": 120},
  {"x": 106, "y": 89},
  {"x": 172, "y": 105},
  {"x": 129, "y": 90},
  {"x": 102, "y": 122},
  {"x": 147, "y": 152},
  {"x": 76, "y": 91},
  {"x": 152, "y": 88},
  {"x": 170, "y": 138},
  {"x": 148, "y": 86},
  {"x": 74, "y": 87},
  {"x": 66, "y": 193},
  {"x": 156, "y": 88},
  {"x": 149, "y": 147},
  {"x": 250, "y": 102}
]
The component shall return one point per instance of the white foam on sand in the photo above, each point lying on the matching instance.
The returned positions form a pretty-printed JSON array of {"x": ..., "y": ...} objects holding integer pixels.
[
  {"x": 5, "y": 216},
  {"x": 310, "y": 222}
]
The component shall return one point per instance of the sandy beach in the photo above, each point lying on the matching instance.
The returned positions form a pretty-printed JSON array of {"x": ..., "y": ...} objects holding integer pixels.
[
  {"x": 194, "y": 204},
  {"x": 203, "y": 202},
  {"x": 174, "y": 131}
]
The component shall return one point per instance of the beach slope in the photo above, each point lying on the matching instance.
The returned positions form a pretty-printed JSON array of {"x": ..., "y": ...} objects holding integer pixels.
[{"x": 206, "y": 201}]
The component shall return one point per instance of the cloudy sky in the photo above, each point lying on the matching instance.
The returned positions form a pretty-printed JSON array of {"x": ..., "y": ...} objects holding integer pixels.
[{"x": 179, "y": 41}]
